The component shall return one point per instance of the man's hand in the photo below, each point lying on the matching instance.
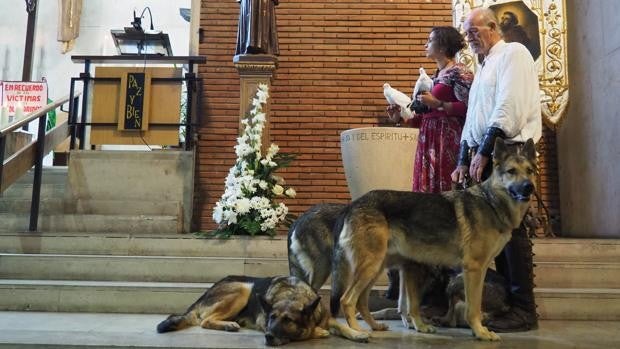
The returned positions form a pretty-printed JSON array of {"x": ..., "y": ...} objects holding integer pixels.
[
  {"x": 393, "y": 112},
  {"x": 477, "y": 166},
  {"x": 459, "y": 175}
]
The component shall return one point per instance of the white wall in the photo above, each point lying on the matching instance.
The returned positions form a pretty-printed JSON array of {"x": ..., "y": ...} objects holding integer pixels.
[
  {"x": 589, "y": 138},
  {"x": 98, "y": 17}
]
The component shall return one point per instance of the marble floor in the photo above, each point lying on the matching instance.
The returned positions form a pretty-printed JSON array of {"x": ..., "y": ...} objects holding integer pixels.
[{"x": 84, "y": 330}]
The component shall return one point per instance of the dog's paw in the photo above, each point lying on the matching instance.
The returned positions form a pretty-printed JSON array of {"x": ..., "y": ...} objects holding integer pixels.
[
  {"x": 425, "y": 328},
  {"x": 232, "y": 327},
  {"x": 486, "y": 335},
  {"x": 320, "y": 333},
  {"x": 419, "y": 325},
  {"x": 380, "y": 326},
  {"x": 361, "y": 337}
]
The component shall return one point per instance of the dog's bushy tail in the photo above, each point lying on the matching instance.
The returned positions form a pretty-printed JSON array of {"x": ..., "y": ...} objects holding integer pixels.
[
  {"x": 176, "y": 322},
  {"x": 340, "y": 269}
]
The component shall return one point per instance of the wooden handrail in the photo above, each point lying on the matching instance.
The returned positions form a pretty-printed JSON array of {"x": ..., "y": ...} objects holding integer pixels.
[{"x": 32, "y": 116}]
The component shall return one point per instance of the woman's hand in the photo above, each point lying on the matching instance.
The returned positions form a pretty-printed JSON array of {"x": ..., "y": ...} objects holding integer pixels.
[
  {"x": 393, "y": 112},
  {"x": 429, "y": 100}
]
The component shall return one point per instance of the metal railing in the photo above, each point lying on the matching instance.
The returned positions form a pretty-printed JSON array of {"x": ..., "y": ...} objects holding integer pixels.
[{"x": 17, "y": 164}]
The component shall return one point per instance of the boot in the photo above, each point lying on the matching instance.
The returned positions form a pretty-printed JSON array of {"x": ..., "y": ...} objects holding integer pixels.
[
  {"x": 515, "y": 263},
  {"x": 393, "y": 285}
]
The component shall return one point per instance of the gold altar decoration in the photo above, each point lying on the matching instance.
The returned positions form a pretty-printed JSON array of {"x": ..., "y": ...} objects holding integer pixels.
[{"x": 549, "y": 30}]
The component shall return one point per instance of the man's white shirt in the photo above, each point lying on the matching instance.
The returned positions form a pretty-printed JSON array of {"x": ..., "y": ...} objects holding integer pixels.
[{"x": 505, "y": 94}]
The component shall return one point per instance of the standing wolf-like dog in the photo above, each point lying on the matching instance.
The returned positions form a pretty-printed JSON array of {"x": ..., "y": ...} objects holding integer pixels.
[
  {"x": 311, "y": 243},
  {"x": 285, "y": 308},
  {"x": 465, "y": 228}
]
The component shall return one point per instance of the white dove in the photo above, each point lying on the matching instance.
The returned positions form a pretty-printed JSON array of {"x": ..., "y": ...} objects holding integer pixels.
[
  {"x": 394, "y": 96},
  {"x": 424, "y": 83}
]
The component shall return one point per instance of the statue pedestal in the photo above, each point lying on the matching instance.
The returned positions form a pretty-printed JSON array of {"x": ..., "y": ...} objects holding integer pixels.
[
  {"x": 253, "y": 70},
  {"x": 378, "y": 158}
]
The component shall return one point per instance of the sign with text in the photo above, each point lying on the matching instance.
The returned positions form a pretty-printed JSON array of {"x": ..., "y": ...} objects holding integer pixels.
[
  {"x": 26, "y": 96},
  {"x": 134, "y": 102}
]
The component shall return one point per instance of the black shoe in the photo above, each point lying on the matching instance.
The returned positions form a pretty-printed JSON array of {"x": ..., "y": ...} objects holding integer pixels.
[
  {"x": 393, "y": 287},
  {"x": 516, "y": 319}
]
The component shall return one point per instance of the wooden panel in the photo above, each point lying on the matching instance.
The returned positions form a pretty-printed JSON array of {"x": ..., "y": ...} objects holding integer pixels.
[
  {"x": 20, "y": 162},
  {"x": 17, "y": 165},
  {"x": 164, "y": 99}
]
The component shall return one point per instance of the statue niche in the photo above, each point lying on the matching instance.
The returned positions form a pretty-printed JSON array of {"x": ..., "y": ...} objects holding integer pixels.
[{"x": 257, "y": 33}]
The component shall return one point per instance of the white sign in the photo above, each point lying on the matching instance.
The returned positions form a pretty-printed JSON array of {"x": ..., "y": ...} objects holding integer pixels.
[{"x": 23, "y": 97}]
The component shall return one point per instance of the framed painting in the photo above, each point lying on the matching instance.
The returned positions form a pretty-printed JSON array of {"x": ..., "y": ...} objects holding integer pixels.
[{"x": 540, "y": 25}]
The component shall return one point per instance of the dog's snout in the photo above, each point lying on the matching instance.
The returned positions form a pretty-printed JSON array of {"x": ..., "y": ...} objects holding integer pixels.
[
  {"x": 527, "y": 188},
  {"x": 521, "y": 191},
  {"x": 270, "y": 339}
]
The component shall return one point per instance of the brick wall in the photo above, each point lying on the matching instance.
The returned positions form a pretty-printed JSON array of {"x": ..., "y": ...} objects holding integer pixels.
[{"x": 334, "y": 58}]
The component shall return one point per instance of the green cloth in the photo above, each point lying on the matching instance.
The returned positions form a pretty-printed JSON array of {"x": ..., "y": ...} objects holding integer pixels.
[{"x": 51, "y": 117}]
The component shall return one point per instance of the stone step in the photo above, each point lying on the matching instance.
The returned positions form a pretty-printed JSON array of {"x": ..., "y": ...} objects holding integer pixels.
[
  {"x": 98, "y": 296},
  {"x": 55, "y": 174},
  {"x": 123, "y": 243},
  {"x": 151, "y": 298},
  {"x": 102, "y": 207},
  {"x": 573, "y": 274},
  {"x": 137, "y": 207},
  {"x": 117, "y": 296},
  {"x": 582, "y": 250},
  {"x": 192, "y": 269},
  {"x": 135, "y": 268},
  {"x": 141, "y": 244},
  {"x": 46, "y": 206},
  {"x": 24, "y": 191},
  {"x": 92, "y": 223},
  {"x": 578, "y": 303}
]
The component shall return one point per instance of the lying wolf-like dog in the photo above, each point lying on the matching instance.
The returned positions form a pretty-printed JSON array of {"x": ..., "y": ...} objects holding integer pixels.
[
  {"x": 466, "y": 228},
  {"x": 285, "y": 308},
  {"x": 494, "y": 299}
]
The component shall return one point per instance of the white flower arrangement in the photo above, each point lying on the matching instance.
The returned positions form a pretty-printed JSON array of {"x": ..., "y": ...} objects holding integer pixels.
[{"x": 248, "y": 205}]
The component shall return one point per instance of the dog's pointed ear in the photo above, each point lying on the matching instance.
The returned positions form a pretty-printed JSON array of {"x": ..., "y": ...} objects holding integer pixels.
[
  {"x": 265, "y": 304},
  {"x": 310, "y": 307},
  {"x": 499, "y": 150},
  {"x": 529, "y": 150}
]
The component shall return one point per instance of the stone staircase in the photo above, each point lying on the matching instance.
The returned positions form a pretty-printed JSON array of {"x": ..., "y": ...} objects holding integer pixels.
[
  {"x": 164, "y": 273},
  {"x": 60, "y": 212},
  {"x": 128, "y": 270}
]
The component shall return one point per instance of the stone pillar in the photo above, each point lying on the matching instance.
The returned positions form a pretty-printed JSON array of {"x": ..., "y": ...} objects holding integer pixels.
[{"x": 253, "y": 70}]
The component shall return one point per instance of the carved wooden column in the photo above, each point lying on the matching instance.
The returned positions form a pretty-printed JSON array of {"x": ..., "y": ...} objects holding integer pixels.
[{"x": 255, "y": 69}]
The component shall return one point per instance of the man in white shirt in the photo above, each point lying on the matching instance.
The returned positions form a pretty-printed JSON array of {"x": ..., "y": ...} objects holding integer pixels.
[{"x": 504, "y": 102}]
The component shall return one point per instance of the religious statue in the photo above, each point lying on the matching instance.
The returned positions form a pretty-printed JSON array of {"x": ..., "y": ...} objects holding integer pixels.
[
  {"x": 257, "y": 32},
  {"x": 68, "y": 23}
]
